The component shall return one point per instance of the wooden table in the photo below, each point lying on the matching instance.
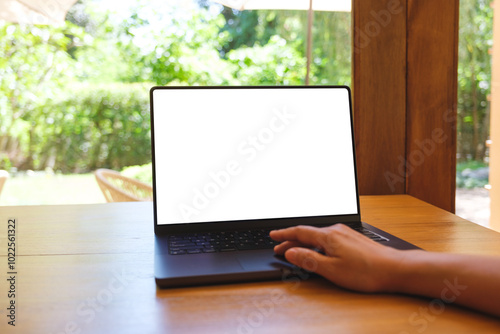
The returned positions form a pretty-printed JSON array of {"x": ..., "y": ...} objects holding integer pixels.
[{"x": 89, "y": 269}]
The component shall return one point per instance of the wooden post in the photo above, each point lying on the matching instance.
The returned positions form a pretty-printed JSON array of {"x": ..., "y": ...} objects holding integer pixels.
[
  {"x": 495, "y": 124},
  {"x": 379, "y": 94},
  {"x": 404, "y": 92},
  {"x": 431, "y": 143}
]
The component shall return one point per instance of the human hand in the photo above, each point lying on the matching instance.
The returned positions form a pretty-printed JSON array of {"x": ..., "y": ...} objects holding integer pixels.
[{"x": 350, "y": 259}]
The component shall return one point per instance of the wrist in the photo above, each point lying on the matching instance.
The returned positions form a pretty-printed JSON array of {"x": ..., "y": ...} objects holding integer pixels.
[{"x": 402, "y": 270}]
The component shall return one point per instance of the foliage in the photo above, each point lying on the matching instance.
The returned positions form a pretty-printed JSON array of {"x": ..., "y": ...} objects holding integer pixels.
[
  {"x": 197, "y": 51},
  {"x": 142, "y": 173},
  {"x": 93, "y": 126},
  {"x": 34, "y": 63},
  {"x": 332, "y": 35},
  {"x": 74, "y": 97},
  {"x": 331, "y": 61},
  {"x": 5, "y": 163},
  {"x": 470, "y": 183},
  {"x": 276, "y": 63},
  {"x": 472, "y": 165},
  {"x": 108, "y": 52},
  {"x": 247, "y": 28},
  {"x": 187, "y": 53},
  {"x": 474, "y": 77},
  {"x": 472, "y": 174}
]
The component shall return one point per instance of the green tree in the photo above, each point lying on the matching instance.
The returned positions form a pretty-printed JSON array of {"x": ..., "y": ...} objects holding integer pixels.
[
  {"x": 188, "y": 52},
  {"x": 331, "y": 59},
  {"x": 331, "y": 63},
  {"x": 474, "y": 77},
  {"x": 34, "y": 63},
  {"x": 276, "y": 63},
  {"x": 108, "y": 53},
  {"x": 247, "y": 28},
  {"x": 61, "y": 104}
]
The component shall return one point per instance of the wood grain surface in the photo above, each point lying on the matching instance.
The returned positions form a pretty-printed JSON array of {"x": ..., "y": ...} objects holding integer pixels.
[
  {"x": 404, "y": 80},
  {"x": 89, "y": 269},
  {"x": 379, "y": 94},
  {"x": 431, "y": 101}
]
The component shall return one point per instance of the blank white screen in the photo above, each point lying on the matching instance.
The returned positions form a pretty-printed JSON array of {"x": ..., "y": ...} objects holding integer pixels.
[{"x": 238, "y": 154}]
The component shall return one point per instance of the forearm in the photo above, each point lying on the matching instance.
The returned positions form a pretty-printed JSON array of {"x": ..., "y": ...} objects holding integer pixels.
[{"x": 472, "y": 281}]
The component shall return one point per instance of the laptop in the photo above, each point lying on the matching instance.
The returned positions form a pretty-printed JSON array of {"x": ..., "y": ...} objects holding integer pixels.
[{"x": 232, "y": 163}]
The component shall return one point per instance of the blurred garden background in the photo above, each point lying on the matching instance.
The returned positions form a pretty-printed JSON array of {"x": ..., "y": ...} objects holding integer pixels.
[{"x": 74, "y": 97}]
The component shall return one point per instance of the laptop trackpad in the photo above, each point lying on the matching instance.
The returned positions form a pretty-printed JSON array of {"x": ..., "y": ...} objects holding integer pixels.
[{"x": 262, "y": 260}]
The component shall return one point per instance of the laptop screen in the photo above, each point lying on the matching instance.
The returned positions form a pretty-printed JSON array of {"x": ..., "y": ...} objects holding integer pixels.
[{"x": 235, "y": 153}]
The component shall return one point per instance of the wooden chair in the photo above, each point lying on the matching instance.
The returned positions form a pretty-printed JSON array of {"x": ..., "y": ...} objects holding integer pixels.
[
  {"x": 118, "y": 188},
  {"x": 3, "y": 177}
]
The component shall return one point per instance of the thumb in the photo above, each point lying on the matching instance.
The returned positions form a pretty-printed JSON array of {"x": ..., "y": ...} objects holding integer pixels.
[{"x": 307, "y": 259}]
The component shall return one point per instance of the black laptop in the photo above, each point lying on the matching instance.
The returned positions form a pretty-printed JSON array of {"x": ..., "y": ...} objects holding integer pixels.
[{"x": 232, "y": 163}]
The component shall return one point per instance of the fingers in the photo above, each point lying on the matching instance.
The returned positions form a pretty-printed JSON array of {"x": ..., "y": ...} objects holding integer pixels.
[
  {"x": 286, "y": 245},
  {"x": 307, "y": 236},
  {"x": 349, "y": 260},
  {"x": 326, "y": 239},
  {"x": 310, "y": 260}
]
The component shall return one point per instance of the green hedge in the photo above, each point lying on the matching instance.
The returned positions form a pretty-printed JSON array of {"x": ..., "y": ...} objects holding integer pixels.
[
  {"x": 142, "y": 173},
  {"x": 91, "y": 126}
]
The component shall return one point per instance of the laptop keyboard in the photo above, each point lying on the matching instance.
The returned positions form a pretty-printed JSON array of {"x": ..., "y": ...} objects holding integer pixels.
[
  {"x": 212, "y": 242},
  {"x": 372, "y": 235}
]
